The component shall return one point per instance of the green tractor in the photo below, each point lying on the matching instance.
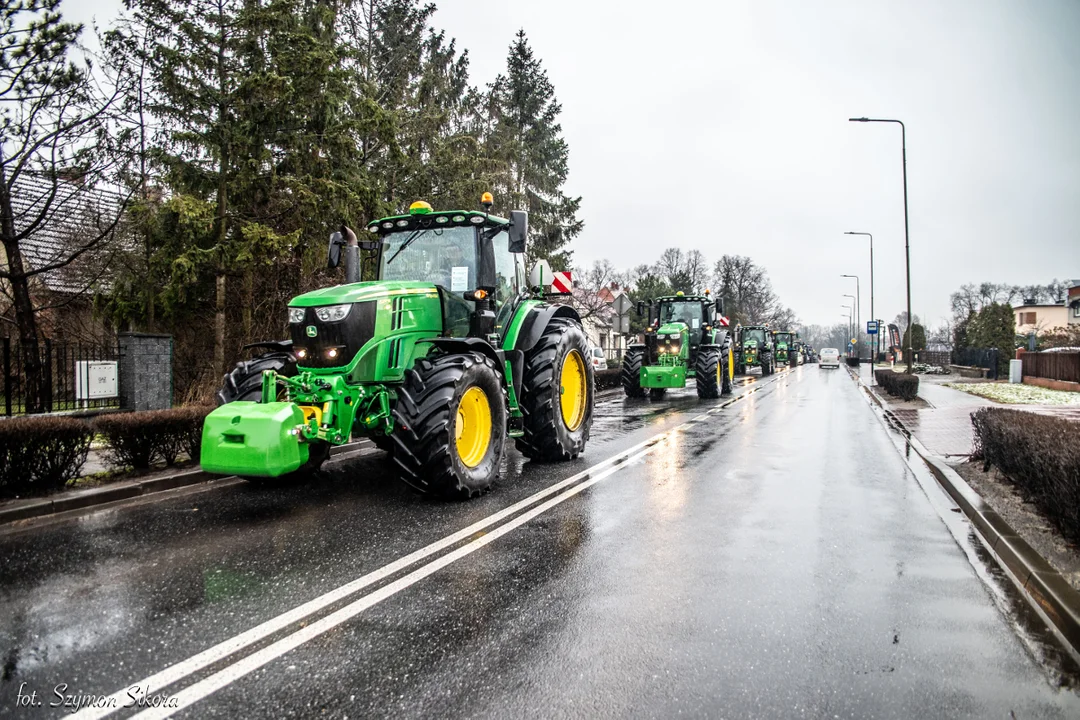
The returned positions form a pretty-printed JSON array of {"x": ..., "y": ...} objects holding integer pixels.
[
  {"x": 755, "y": 349},
  {"x": 451, "y": 351},
  {"x": 787, "y": 353},
  {"x": 687, "y": 338}
]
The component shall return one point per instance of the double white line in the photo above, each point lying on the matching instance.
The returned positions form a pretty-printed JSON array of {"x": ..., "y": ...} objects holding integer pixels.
[{"x": 561, "y": 491}]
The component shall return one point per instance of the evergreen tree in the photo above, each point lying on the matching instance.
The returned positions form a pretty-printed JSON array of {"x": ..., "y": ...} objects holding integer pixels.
[{"x": 530, "y": 155}]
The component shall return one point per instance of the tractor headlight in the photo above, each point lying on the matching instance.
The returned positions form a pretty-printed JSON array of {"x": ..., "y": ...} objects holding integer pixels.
[
  {"x": 332, "y": 313},
  {"x": 296, "y": 315}
]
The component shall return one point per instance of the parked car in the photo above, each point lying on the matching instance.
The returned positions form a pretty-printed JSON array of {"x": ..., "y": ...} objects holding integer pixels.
[
  {"x": 829, "y": 357},
  {"x": 599, "y": 362}
]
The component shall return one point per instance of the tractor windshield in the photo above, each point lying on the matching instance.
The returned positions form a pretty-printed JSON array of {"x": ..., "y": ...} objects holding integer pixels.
[
  {"x": 442, "y": 256},
  {"x": 755, "y": 334},
  {"x": 684, "y": 312}
]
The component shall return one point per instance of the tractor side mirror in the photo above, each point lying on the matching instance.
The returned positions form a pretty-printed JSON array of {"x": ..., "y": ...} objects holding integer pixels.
[
  {"x": 640, "y": 308},
  {"x": 333, "y": 253},
  {"x": 719, "y": 306},
  {"x": 519, "y": 230}
]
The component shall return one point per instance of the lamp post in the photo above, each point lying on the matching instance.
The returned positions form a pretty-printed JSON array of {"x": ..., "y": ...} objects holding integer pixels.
[
  {"x": 848, "y": 316},
  {"x": 858, "y": 315},
  {"x": 907, "y": 239},
  {"x": 873, "y": 353}
]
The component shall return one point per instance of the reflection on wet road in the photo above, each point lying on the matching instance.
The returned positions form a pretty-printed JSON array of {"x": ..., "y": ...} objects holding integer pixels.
[{"x": 768, "y": 555}]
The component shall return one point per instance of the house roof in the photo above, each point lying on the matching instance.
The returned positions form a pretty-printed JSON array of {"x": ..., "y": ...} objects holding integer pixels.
[{"x": 62, "y": 217}]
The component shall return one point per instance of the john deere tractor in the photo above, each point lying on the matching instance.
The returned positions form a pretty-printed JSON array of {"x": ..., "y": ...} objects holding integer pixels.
[
  {"x": 442, "y": 358},
  {"x": 756, "y": 349},
  {"x": 686, "y": 337},
  {"x": 786, "y": 351}
]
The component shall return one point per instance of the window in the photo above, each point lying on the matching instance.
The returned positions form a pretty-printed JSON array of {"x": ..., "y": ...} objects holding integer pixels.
[
  {"x": 1076, "y": 310},
  {"x": 1027, "y": 318}
]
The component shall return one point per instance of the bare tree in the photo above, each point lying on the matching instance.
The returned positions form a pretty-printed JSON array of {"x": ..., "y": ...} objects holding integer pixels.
[
  {"x": 748, "y": 295},
  {"x": 55, "y": 148}
]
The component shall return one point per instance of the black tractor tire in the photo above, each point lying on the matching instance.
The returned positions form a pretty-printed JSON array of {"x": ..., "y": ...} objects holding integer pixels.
[
  {"x": 425, "y": 418},
  {"x": 244, "y": 382},
  {"x": 546, "y": 436},
  {"x": 740, "y": 370},
  {"x": 657, "y": 393},
  {"x": 707, "y": 367},
  {"x": 631, "y": 373},
  {"x": 725, "y": 374}
]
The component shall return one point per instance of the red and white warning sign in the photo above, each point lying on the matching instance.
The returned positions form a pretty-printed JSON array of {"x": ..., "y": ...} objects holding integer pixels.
[
  {"x": 724, "y": 321},
  {"x": 562, "y": 283}
]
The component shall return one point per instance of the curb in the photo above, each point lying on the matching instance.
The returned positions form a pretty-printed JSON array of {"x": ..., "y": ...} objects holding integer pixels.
[
  {"x": 1044, "y": 586},
  {"x": 80, "y": 499}
]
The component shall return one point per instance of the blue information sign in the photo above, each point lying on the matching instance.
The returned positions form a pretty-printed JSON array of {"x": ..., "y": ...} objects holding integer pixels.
[{"x": 871, "y": 327}]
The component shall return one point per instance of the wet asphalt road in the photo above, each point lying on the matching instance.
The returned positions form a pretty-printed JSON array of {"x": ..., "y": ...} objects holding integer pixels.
[{"x": 772, "y": 556}]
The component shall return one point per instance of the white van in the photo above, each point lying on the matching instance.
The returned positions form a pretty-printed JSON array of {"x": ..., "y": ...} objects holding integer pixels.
[{"x": 829, "y": 357}]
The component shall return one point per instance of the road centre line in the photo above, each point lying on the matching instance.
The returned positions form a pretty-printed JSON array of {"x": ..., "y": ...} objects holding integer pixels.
[
  {"x": 231, "y": 646},
  {"x": 224, "y": 649},
  {"x": 249, "y": 663}
]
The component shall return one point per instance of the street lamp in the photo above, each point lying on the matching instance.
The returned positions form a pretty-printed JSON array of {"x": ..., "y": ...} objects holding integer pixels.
[
  {"x": 873, "y": 354},
  {"x": 858, "y": 315},
  {"x": 850, "y": 310},
  {"x": 849, "y": 313},
  {"x": 907, "y": 239}
]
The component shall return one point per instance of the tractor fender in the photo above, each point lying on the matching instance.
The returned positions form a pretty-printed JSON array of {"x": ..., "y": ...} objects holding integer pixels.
[
  {"x": 536, "y": 323},
  {"x": 499, "y": 357},
  {"x": 467, "y": 344}
]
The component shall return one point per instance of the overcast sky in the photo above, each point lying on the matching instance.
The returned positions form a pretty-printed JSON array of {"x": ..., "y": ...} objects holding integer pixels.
[{"x": 722, "y": 126}]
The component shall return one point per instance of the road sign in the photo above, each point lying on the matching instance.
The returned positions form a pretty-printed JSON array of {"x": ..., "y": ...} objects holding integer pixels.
[
  {"x": 871, "y": 327},
  {"x": 854, "y": 341},
  {"x": 562, "y": 282},
  {"x": 621, "y": 324},
  {"x": 623, "y": 304}
]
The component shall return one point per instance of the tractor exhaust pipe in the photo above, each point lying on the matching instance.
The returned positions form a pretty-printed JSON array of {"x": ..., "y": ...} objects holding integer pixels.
[
  {"x": 345, "y": 238},
  {"x": 352, "y": 256}
]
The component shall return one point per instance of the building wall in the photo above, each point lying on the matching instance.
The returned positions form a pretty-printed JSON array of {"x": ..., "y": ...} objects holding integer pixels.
[{"x": 1046, "y": 317}]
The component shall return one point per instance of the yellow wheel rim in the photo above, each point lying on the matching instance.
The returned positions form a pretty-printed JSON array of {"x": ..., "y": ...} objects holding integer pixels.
[
  {"x": 730, "y": 364},
  {"x": 574, "y": 390},
  {"x": 472, "y": 427}
]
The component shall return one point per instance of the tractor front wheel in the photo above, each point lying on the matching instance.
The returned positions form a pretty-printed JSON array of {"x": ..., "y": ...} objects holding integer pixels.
[
  {"x": 631, "y": 373},
  {"x": 707, "y": 369},
  {"x": 450, "y": 425},
  {"x": 557, "y": 394},
  {"x": 244, "y": 382}
]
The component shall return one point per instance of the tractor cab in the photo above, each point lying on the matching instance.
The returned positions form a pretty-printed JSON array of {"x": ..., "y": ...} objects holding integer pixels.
[
  {"x": 472, "y": 257},
  {"x": 696, "y": 315}
]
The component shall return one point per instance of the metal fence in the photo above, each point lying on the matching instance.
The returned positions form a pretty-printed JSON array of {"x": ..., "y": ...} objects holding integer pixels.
[
  {"x": 934, "y": 357},
  {"x": 978, "y": 357},
  {"x": 75, "y": 376},
  {"x": 1052, "y": 366}
]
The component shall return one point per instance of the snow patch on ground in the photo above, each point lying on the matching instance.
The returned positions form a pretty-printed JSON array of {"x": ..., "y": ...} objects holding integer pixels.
[{"x": 1018, "y": 394}]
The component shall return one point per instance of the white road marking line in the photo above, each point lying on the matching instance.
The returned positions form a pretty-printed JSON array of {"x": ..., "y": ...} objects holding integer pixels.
[
  {"x": 207, "y": 686},
  {"x": 224, "y": 649}
]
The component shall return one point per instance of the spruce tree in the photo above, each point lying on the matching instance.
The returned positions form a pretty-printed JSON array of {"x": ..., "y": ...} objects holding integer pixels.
[{"x": 530, "y": 154}]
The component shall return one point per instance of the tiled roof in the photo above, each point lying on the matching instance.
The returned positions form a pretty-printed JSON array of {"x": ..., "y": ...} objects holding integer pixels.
[{"x": 75, "y": 217}]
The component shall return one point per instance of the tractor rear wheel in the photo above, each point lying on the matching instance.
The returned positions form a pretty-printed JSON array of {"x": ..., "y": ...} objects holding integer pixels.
[
  {"x": 707, "y": 369},
  {"x": 631, "y": 373},
  {"x": 450, "y": 425},
  {"x": 725, "y": 374},
  {"x": 557, "y": 394},
  {"x": 244, "y": 382}
]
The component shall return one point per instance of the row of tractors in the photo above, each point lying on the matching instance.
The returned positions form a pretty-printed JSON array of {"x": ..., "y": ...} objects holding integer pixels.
[
  {"x": 687, "y": 336},
  {"x": 451, "y": 352}
]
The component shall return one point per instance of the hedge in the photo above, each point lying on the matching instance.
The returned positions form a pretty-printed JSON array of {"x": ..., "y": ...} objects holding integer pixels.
[
  {"x": 1041, "y": 457},
  {"x": 606, "y": 379},
  {"x": 40, "y": 454},
  {"x": 901, "y": 385},
  {"x": 139, "y": 439},
  {"x": 852, "y": 361}
]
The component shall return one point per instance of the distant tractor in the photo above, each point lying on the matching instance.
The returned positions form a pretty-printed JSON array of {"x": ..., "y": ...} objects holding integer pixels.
[
  {"x": 449, "y": 353},
  {"x": 686, "y": 337},
  {"x": 756, "y": 349},
  {"x": 787, "y": 353}
]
